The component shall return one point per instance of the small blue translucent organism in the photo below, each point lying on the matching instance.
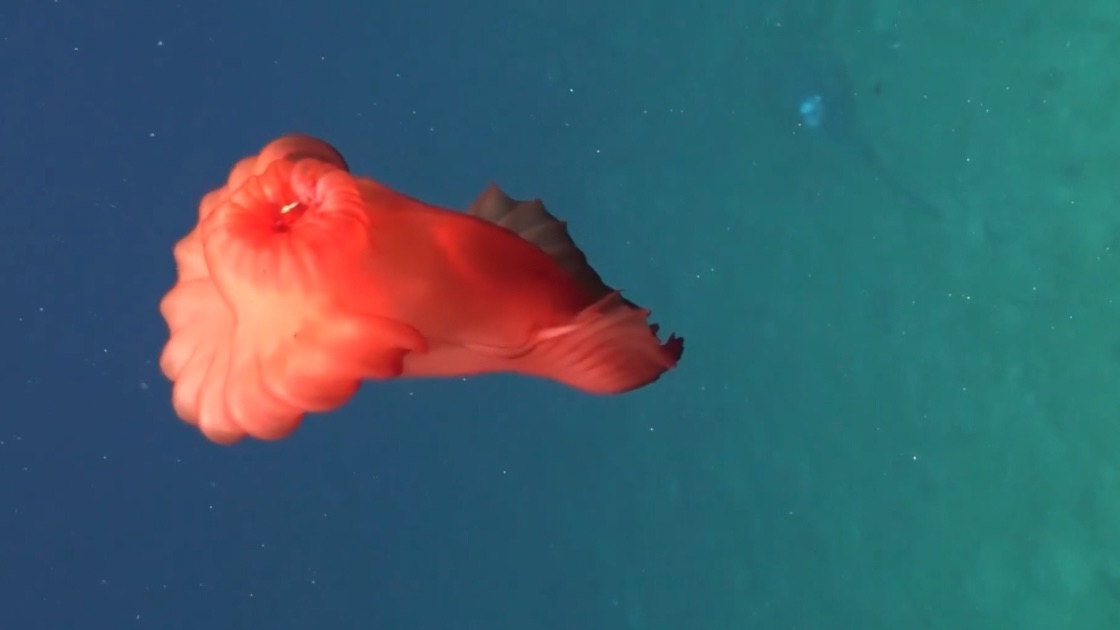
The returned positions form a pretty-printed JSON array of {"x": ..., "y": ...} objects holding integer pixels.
[{"x": 812, "y": 111}]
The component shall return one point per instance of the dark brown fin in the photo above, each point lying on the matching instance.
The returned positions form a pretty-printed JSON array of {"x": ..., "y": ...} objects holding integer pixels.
[
  {"x": 614, "y": 348},
  {"x": 533, "y": 222}
]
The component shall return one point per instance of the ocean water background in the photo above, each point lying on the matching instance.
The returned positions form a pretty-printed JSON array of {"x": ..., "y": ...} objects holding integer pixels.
[{"x": 897, "y": 409}]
